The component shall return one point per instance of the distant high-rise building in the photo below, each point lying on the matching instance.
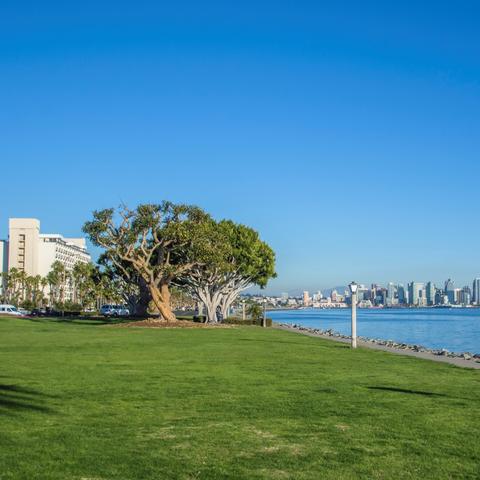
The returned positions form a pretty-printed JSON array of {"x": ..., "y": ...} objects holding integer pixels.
[
  {"x": 465, "y": 296},
  {"x": 458, "y": 296},
  {"x": 450, "y": 291},
  {"x": 284, "y": 297},
  {"x": 417, "y": 294},
  {"x": 430, "y": 291},
  {"x": 476, "y": 292},
  {"x": 373, "y": 292},
  {"x": 439, "y": 296},
  {"x": 362, "y": 293},
  {"x": 410, "y": 293},
  {"x": 391, "y": 294},
  {"x": 402, "y": 294},
  {"x": 306, "y": 299},
  {"x": 381, "y": 296},
  {"x": 317, "y": 296}
]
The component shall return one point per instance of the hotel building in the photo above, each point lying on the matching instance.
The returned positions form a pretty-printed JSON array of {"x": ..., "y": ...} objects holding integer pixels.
[{"x": 34, "y": 253}]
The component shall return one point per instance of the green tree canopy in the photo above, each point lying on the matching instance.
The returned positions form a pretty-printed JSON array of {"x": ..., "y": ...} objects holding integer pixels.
[{"x": 237, "y": 259}]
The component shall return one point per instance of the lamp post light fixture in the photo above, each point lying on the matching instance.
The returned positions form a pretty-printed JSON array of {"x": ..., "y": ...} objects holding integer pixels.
[{"x": 353, "y": 290}]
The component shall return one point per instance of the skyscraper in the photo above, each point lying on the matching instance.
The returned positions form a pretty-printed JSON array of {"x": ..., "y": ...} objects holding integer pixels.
[
  {"x": 450, "y": 291},
  {"x": 417, "y": 294},
  {"x": 317, "y": 296},
  {"x": 430, "y": 293},
  {"x": 362, "y": 293},
  {"x": 465, "y": 296},
  {"x": 306, "y": 299},
  {"x": 391, "y": 290},
  {"x": 402, "y": 295},
  {"x": 476, "y": 292}
]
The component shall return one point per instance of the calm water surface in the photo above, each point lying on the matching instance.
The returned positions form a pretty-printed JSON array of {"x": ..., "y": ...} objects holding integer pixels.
[{"x": 456, "y": 329}]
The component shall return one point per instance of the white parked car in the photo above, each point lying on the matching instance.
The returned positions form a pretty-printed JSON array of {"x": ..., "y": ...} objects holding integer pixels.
[
  {"x": 114, "y": 311},
  {"x": 6, "y": 309},
  {"x": 123, "y": 311}
]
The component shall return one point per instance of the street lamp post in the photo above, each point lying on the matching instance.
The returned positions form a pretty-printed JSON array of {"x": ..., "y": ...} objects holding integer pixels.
[
  {"x": 353, "y": 290},
  {"x": 264, "y": 320}
]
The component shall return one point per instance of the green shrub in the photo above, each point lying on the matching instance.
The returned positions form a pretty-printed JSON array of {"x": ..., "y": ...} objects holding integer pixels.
[
  {"x": 255, "y": 311},
  {"x": 68, "y": 307},
  {"x": 247, "y": 321}
]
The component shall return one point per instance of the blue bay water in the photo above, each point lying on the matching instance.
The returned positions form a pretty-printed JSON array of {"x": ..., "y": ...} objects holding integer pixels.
[{"x": 456, "y": 329}]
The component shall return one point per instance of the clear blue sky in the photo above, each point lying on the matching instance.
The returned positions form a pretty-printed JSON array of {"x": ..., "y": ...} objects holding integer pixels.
[{"x": 347, "y": 133}]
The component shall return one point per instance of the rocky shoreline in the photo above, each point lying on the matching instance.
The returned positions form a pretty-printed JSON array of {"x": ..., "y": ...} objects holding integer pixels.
[{"x": 473, "y": 357}]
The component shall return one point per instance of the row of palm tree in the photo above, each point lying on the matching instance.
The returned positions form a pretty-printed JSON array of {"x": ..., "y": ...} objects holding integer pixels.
[{"x": 83, "y": 287}]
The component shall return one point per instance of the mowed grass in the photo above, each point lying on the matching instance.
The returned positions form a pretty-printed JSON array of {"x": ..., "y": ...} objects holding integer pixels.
[{"x": 88, "y": 401}]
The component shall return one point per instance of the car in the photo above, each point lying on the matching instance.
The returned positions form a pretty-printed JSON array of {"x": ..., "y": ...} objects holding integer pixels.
[
  {"x": 6, "y": 309},
  {"x": 122, "y": 311},
  {"x": 114, "y": 311},
  {"x": 107, "y": 310}
]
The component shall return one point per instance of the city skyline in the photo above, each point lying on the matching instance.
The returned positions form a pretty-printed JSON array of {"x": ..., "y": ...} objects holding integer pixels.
[
  {"x": 299, "y": 292},
  {"x": 412, "y": 294}
]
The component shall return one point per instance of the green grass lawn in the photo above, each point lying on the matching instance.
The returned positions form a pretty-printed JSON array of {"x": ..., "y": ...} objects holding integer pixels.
[{"x": 80, "y": 400}]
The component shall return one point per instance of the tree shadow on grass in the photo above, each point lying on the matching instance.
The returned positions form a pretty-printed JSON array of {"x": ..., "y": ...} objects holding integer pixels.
[
  {"x": 408, "y": 391},
  {"x": 14, "y": 398},
  {"x": 86, "y": 321}
]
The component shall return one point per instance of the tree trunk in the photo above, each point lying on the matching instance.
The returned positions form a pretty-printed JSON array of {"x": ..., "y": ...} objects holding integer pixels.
[
  {"x": 139, "y": 303},
  {"x": 210, "y": 299},
  {"x": 226, "y": 303},
  {"x": 227, "y": 300},
  {"x": 161, "y": 299},
  {"x": 211, "y": 312}
]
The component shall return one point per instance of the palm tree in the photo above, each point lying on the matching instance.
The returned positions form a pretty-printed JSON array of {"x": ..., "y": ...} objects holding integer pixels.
[{"x": 57, "y": 279}]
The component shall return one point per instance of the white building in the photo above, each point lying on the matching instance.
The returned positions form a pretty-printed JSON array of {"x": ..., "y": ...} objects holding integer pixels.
[
  {"x": 306, "y": 299},
  {"x": 54, "y": 247},
  {"x": 317, "y": 296},
  {"x": 34, "y": 253}
]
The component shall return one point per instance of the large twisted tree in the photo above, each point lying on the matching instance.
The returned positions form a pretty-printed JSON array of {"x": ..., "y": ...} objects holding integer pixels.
[{"x": 151, "y": 239}]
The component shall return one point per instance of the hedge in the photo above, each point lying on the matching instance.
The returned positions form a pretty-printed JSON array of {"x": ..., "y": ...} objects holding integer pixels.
[{"x": 247, "y": 321}]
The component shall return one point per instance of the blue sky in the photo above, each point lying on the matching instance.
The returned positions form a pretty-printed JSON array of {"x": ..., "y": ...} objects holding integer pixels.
[{"x": 347, "y": 133}]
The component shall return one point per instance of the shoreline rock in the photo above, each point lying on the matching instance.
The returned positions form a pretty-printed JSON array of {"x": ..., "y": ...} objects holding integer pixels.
[{"x": 385, "y": 343}]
